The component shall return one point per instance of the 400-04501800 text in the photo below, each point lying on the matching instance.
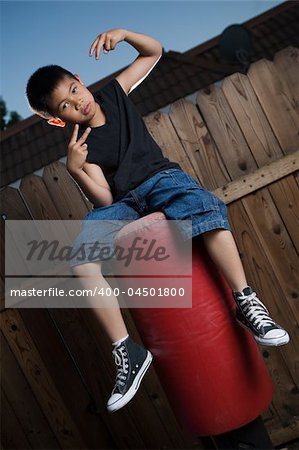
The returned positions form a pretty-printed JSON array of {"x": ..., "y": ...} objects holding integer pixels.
[{"x": 142, "y": 291}]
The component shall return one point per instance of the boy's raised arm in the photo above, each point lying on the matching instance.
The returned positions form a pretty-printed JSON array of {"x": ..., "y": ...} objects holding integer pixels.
[{"x": 150, "y": 51}]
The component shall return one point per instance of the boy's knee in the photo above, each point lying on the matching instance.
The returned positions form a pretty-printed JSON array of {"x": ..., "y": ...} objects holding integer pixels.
[{"x": 88, "y": 269}]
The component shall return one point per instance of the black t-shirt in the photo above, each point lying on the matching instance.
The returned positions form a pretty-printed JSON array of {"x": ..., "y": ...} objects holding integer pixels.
[{"x": 123, "y": 147}]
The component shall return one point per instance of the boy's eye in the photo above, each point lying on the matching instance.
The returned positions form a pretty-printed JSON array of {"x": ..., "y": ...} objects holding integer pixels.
[
  {"x": 74, "y": 90},
  {"x": 65, "y": 105}
]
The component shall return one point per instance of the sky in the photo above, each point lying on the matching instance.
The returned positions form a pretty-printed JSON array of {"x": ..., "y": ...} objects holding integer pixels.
[{"x": 38, "y": 33}]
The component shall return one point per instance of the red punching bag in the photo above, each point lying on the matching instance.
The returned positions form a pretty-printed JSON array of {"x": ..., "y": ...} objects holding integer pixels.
[{"x": 209, "y": 366}]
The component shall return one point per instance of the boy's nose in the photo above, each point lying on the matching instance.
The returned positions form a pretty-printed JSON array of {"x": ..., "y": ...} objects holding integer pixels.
[{"x": 79, "y": 104}]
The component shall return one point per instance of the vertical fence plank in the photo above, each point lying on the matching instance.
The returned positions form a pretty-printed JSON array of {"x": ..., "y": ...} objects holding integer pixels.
[
  {"x": 225, "y": 130},
  {"x": 22, "y": 401},
  {"x": 285, "y": 196},
  {"x": 66, "y": 196},
  {"x": 13, "y": 207},
  {"x": 37, "y": 198},
  {"x": 165, "y": 135},
  {"x": 251, "y": 119},
  {"x": 198, "y": 145},
  {"x": 263, "y": 277},
  {"x": 287, "y": 64},
  {"x": 41, "y": 383},
  {"x": 12, "y": 434},
  {"x": 276, "y": 99},
  {"x": 276, "y": 244}
]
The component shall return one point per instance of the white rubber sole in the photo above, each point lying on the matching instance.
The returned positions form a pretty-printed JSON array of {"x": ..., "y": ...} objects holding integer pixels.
[
  {"x": 134, "y": 388},
  {"x": 282, "y": 340}
]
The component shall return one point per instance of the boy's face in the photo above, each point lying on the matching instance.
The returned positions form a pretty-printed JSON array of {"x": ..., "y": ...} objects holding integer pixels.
[{"x": 72, "y": 102}]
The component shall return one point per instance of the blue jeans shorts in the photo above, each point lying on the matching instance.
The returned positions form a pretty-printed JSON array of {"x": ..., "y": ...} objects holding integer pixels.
[{"x": 171, "y": 191}]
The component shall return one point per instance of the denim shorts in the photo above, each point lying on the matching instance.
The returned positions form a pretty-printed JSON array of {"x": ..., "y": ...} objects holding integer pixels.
[{"x": 171, "y": 191}]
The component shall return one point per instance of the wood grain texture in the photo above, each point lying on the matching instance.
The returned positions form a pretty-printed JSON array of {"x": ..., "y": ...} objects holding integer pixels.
[
  {"x": 12, "y": 434},
  {"x": 251, "y": 119},
  {"x": 13, "y": 207},
  {"x": 37, "y": 198},
  {"x": 286, "y": 62},
  {"x": 226, "y": 132},
  {"x": 277, "y": 101},
  {"x": 23, "y": 402},
  {"x": 258, "y": 179},
  {"x": 282, "y": 363},
  {"x": 275, "y": 240},
  {"x": 198, "y": 144},
  {"x": 160, "y": 127},
  {"x": 24, "y": 350},
  {"x": 285, "y": 196},
  {"x": 63, "y": 190}
]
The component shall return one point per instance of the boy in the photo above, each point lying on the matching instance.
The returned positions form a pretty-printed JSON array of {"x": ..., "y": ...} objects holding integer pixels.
[{"x": 122, "y": 171}]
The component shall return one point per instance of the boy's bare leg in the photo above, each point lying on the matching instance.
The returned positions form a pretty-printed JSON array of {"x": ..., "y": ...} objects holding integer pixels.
[
  {"x": 110, "y": 318},
  {"x": 131, "y": 359},
  {"x": 251, "y": 312},
  {"x": 222, "y": 249}
]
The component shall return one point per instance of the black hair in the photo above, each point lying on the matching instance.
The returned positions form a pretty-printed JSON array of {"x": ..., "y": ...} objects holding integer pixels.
[{"x": 41, "y": 85}]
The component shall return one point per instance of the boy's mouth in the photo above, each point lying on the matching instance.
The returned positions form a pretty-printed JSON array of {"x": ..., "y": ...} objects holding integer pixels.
[{"x": 86, "y": 109}]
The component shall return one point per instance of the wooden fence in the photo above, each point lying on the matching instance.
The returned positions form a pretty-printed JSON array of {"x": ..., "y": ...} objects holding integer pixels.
[{"x": 239, "y": 138}]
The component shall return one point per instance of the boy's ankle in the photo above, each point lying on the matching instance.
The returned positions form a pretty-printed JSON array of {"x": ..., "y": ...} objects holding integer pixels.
[
  {"x": 243, "y": 289},
  {"x": 119, "y": 341}
]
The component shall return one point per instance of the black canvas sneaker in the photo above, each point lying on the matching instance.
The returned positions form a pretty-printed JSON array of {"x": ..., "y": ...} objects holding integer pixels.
[
  {"x": 132, "y": 362},
  {"x": 253, "y": 314}
]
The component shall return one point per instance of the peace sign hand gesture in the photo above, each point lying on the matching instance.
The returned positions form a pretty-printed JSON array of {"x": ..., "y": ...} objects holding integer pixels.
[
  {"x": 108, "y": 40},
  {"x": 77, "y": 150}
]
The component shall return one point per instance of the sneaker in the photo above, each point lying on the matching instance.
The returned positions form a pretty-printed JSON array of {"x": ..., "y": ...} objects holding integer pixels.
[
  {"x": 253, "y": 315},
  {"x": 132, "y": 362}
]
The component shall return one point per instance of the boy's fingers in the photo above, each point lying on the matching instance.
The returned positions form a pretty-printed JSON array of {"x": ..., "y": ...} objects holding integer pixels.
[
  {"x": 75, "y": 134},
  {"x": 107, "y": 44},
  {"x": 97, "y": 44},
  {"x": 100, "y": 44},
  {"x": 93, "y": 46},
  {"x": 84, "y": 136}
]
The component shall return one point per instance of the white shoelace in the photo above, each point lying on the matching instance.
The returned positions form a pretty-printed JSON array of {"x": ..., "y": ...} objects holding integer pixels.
[
  {"x": 255, "y": 310},
  {"x": 122, "y": 366}
]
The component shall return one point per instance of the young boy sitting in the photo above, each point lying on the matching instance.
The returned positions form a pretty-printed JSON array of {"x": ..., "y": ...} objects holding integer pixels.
[{"x": 121, "y": 169}]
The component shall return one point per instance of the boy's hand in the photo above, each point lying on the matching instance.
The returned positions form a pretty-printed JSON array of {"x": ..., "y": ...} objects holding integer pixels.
[
  {"x": 77, "y": 150},
  {"x": 108, "y": 40}
]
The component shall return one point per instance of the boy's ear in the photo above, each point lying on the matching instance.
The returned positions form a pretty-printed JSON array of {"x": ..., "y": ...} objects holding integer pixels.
[
  {"x": 51, "y": 120},
  {"x": 78, "y": 78}
]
